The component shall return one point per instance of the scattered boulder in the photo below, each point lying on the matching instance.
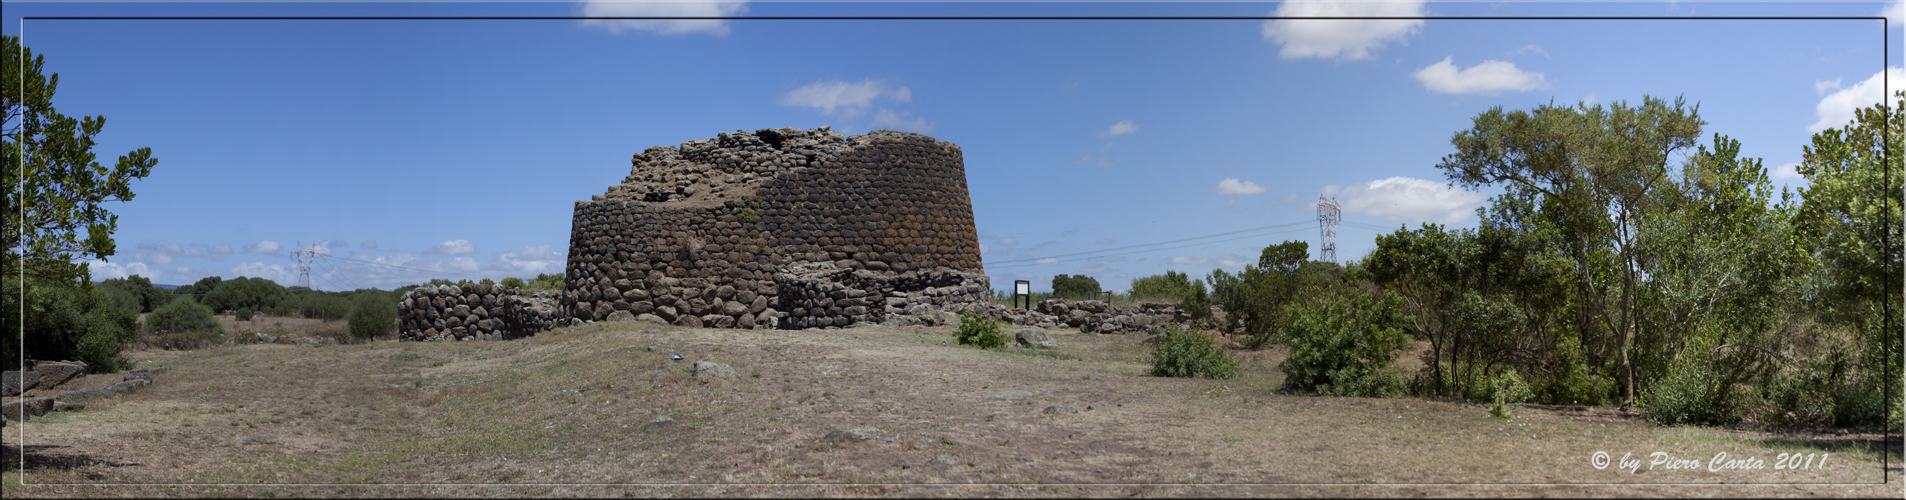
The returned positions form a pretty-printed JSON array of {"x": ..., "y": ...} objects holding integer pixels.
[
  {"x": 663, "y": 424},
  {"x": 859, "y": 435},
  {"x": 709, "y": 372},
  {"x": 129, "y": 386},
  {"x": 20, "y": 381},
  {"x": 26, "y": 408},
  {"x": 651, "y": 318},
  {"x": 621, "y": 316},
  {"x": 54, "y": 373},
  {"x": 1033, "y": 336}
]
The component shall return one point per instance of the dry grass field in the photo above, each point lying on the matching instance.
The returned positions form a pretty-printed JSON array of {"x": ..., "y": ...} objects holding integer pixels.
[{"x": 573, "y": 412}]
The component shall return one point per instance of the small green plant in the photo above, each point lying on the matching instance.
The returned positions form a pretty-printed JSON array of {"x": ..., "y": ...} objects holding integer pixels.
[
  {"x": 1177, "y": 352},
  {"x": 748, "y": 213},
  {"x": 513, "y": 282},
  {"x": 245, "y": 314},
  {"x": 1509, "y": 389},
  {"x": 980, "y": 331}
]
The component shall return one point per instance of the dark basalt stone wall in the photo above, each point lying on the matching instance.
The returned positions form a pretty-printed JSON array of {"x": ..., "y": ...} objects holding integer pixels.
[{"x": 697, "y": 233}]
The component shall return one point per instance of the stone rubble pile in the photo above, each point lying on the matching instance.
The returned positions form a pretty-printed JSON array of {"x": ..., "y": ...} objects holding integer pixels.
[
  {"x": 821, "y": 294},
  {"x": 46, "y": 375},
  {"x": 477, "y": 312}
]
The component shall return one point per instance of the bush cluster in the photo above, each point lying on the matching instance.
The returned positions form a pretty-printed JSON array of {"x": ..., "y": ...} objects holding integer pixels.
[
  {"x": 980, "y": 331},
  {"x": 1343, "y": 345},
  {"x": 1177, "y": 352}
]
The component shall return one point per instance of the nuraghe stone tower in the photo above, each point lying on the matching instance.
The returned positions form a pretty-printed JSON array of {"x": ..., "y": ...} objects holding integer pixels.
[{"x": 780, "y": 228}]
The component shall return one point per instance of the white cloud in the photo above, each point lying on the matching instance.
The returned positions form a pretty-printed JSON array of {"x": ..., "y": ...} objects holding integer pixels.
[
  {"x": 1232, "y": 186},
  {"x": 453, "y": 247},
  {"x": 1008, "y": 241},
  {"x": 1590, "y": 99},
  {"x": 1107, "y": 162},
  {"x": 102, "y": 270},
  {"x": 1230, "y": 203},
  {"x": 1786, "y": 171},
  {"x": 1082, "y": 159},
  {"x": 1531, "y": 48},
  {"x": 263, "y": 246},
  {"x": 368, "y": 244},
  {"x": 1895, "y": 13},
  {"x": 182, "y": 269},
  {"x": 1347, "y": 39},
  {"x": 1403, "y": 199},
  {"x": 221, "y": 249},
  {"x": 672, "y": 8},
  {"x": 902, "y": 121},
  {"x": 1191, "y": 260},
  {"x": 1821, "y": 87},
  {"x": 1046, "y": 261},
  {"x": 192, "y": 252},
  {"x": 530, "y": 261},
  {"x": 1120, "y": 128},
  {"x": 1836, "y": 109},
  {"x": 849, "y": 99},
  {"x": 985, "y": 249},
  {"x": 1491, "y": 77},
  {"x": 161, "y": 258}
]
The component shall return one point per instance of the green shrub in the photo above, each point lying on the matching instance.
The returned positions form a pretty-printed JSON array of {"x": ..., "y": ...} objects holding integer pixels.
[
  {"x": 1177, "y": 352},
  {"x": 183, "y": 315},
  {"x": 1198, "y": 306},
  {"x": 244, "y": 293},
  {"x": 1509, "y": 389},
  {"x": 547, "y": 282},
  {"x": 1074, "y": 287},
  {"x": 1173, "y": 286},
  {"x": 373, "y": 314},
  {"x": 486, "y": 282},
  {"x": 1698, "y": 389},
  {"x": 980, "y": 331},
  {"x": 513, "y": 282},
  {"x": 67, "y": 321},
  {"x": 245, "y": 314},
  {"x": 1571, "y": 382},
  {"x": 1343, "y": 345}
]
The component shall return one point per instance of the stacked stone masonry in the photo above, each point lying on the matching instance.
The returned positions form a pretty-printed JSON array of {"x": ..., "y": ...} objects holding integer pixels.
[
  {"x": 476, "y": 312},
  {"x": 780, "y": 228}
]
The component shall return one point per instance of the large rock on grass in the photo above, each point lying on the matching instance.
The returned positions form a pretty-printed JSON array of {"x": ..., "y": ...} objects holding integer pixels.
[
  {"x": 1033, "y": 336},
  {"x": 26, "y": 408},
  {"x": 620, "y": 316},
  {"x": 709, "y": 372},
  {"x": 54, "y": 373},
  {"x": 20, "y": 381}
]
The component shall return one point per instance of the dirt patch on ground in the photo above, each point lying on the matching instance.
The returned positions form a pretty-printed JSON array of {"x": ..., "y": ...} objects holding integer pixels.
[{"x": 604, "y": 410}]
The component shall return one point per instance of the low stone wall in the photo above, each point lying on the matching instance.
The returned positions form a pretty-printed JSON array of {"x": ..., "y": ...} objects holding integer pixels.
[
  {"x": 1089, "y": 316},
  {"x": 821, "y": 294},
  {"x": 476, "y": 311}
]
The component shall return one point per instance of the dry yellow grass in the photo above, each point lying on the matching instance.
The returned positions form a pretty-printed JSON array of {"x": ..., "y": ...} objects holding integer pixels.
[{"x": 564, "y": 414}]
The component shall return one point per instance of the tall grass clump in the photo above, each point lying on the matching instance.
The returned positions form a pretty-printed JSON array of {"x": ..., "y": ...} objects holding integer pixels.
[
  {"x": 374, "y": 313},
  {"x": 1177, "y": 352}
]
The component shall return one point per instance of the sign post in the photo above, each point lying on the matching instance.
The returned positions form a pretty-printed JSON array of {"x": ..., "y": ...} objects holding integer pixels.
[{"x": 1022, "y": 288}]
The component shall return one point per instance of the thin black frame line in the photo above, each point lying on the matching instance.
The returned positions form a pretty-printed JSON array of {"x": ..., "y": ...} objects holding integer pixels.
[
  {"x": 956, "y": 18},
  {"x": 1885, "y": 35}
]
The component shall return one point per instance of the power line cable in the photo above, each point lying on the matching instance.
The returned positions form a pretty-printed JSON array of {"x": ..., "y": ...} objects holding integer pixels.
[
  {"x": 1181, "y": 240},
  {"x": 1246, "y": 237}
]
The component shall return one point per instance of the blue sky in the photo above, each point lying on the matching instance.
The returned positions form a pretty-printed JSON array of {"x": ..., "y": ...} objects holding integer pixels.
[{"x": 408, "y": 150}]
